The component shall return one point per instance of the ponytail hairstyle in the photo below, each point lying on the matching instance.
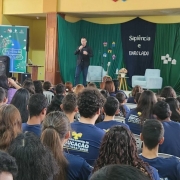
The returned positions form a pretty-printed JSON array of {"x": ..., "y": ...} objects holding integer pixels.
[{"x": 54, "y": 129}]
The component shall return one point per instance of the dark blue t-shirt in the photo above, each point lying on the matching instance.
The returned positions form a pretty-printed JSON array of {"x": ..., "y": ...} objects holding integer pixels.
[
  {"x": 168, "y": 168},
  {"x": 126, "y": 108},
  {"x": 131, "y": 100},
  {"x": 85, "y": 141},
  {"x": 78, "y": 168},
  {"x": 106, "y": 125},
  {"x": 171, "y": 144},
  {"x": 36, "y": 128}
]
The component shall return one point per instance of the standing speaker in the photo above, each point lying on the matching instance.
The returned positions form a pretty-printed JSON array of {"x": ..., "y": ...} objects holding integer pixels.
[
  {"x": 23, "y": 76},
  {"x": 4, "y": 65}
]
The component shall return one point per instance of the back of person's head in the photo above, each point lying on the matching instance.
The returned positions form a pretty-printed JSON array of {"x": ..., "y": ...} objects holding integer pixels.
[
  {"x": 105, "y": 93},
  {"x": 90, "y": 101},
  {"x": 3, "y": 96},
  {"x": 137, "y": 96},
  {"x": 161, "y": 110},
  {"x": 38, "y": 87},
  {"x": 79, "y": 88},
  {"x": 60, "y": 88},
  {"x": 20, "y": 100},
  {"x": 34, "y": 160},
  {"x": 111, "y": 106},
  {"x": 136, "y": 89},
  {"x": 91, "y": 85},
  {"x": 145, "y": 104},
  {"x": 109, "y": 86},
  {"x": 37, "y": 105},
  {"x": 29, "y": 86},
  {"x": 116, "y": 84},
  {"x": 10, "y": 125},
  {"x": 69, "y": 103},
  {"x": 55, "y": 103},
  {"x": 175, "y": 108},
  {"x": 121, "y": 97},
  {"x": 8, "y": 166},
  {"x": 69, "y": 87},
  {"x": 152, "y": 133},
  {"x": 4, "y": 82},
  {"x": 47, "y": 85},
  {"x": 119, "y": 172},
  {"x": 119, "y": 147},
  {"x": 55, "y": 128},
  {"x": 168, "y": 92}
]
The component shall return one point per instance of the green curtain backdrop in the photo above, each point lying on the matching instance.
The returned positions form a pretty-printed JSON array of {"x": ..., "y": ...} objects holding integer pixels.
[
  {"x": 69, "y": 35},
  {"x": 167, "y": 41}
]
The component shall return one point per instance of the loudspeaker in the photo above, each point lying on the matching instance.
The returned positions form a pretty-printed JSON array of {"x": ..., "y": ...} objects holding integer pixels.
[
  {"x": 23, "y": 76},
  {"x": 4, "y": 65}
]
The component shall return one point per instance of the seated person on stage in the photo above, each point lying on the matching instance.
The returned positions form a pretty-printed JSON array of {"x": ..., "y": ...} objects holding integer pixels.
[
  {"x": 69, "y": 106},
  {"x": 37, "y": 110},
  {"x": 111, "y": 107},
  {"x": 152, "y": 136},
  {"x": 122, "y": 106},
  {"x": 171, "y": 145},
  {"x": 86, "y": 137},
  {"x": 136, "y": 117},
  {"x": 136, "y": 89}
]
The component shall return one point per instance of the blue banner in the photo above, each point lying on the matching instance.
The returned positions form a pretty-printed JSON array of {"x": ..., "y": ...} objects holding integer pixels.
[{"x": 138, "y": 37}]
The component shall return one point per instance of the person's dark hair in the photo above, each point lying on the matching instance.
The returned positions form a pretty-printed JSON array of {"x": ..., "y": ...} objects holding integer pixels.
[
  {"x": 111, "y": 106},
  {"x": 37, "y": 103},
  {"x": 46, "y": 85},
  {"x": 4, "y": 82},
  {"x": 116, "y": 84},
  {"x": 20, "y": 100},
  {"x": 168, "y": 92},
  {"x": 60, "y": 89},
  {"x": 54, "y": 129},
  {"x": 109, "y": 86},
  {"x": 92, "y": 85},
  {"x": 89, "y": 102},
  {"x": 175, "y": 109},
  {"x": 152, "y": 133},
  {"x": 55, "y": 103},
  {"x": 69, "y": 103},
  {"x": 105, "y": 93},
  {"x": 10, "y": 125},
  {"x": 119, "y": 147},
  {"x": 8, "y": 164},
  {"x": 14, "y": 78},
  {"x": 178, "y": 98},
  {"x": 137, "y": 97},
  {"x": 121, "y": 97},
  {"x": 34, "y": 160},
  {"x": 29, "y": 86},
  {"x": 162, "y": 110},
  {"x": 2, "y": 94},
  {"x": 38, "y": 87},
  {"x": 145, "y": 105},
  {"x": 119, "y": 172},
  {"x": 136, "y": 89},
  {"x": 69, "y": 87}
]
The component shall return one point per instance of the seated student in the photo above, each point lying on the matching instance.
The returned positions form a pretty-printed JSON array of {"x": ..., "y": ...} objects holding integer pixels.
[
  {"x": 135, "y": 90},
  {"x": 105, "y": 93},
  {"x": 105, "y": 78},
  {"x": 34, "y": 160},
  {"x": 136, "y": 117},
  {"x": 86, "y": 138},
  {"x": 47, "y": 91},
  {"x": 3, "y": 96},
  {"x": 111, "y": 107},
  {"x": 119, "y": 147},
  {"x": 55, "y": 132},
  {"x": 171, "y": 143},
  {"x": 123, "y": 107},
  {"x": 69, "y": 106},
  {"x": 60, "y": 89},
  {"x": 8, "y": 166},
  {"x": 119, "y": 172},
  {"x": 152, "y": 136},
  {"x": 28, "y": 84},
  {"x": 167, "y": 92},
  {"x": 137, "y": 96},
  {"x": 37, "y": 111},
  {"x": 109, "y": 86},
  {"x": 38, "y": 86},
  {"x": 91, "y": 85},
  {"x": 78, "y": 89},
  {"x": 69, "y": 87}
]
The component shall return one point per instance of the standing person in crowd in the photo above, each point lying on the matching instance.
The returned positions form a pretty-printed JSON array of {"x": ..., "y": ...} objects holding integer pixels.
[
  {"x": 10, "y": 125},
  {"x": 37, "y": 111},
  {"x": 28, "y": 84},
  {"x": 79, "y": 88},
  {"x": 153, "y": 136},
  {"x": 55, "y": 132},
  {"x": 86, "y": 138},
  {"x": 119, "y": 147},
  {"x": 69, "y": 87},
  {"x": 20, "y": 101},
  {"x": 34, "y": 160},
  {"x": 84, "y": 53},
  {"x": 136, "y": 117},
  {"x": 168, "y": 92},
  {"x": 3, "y": 96},
  {"x": 171, "y": 145},
  {"x": 38, "y": 87}
]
